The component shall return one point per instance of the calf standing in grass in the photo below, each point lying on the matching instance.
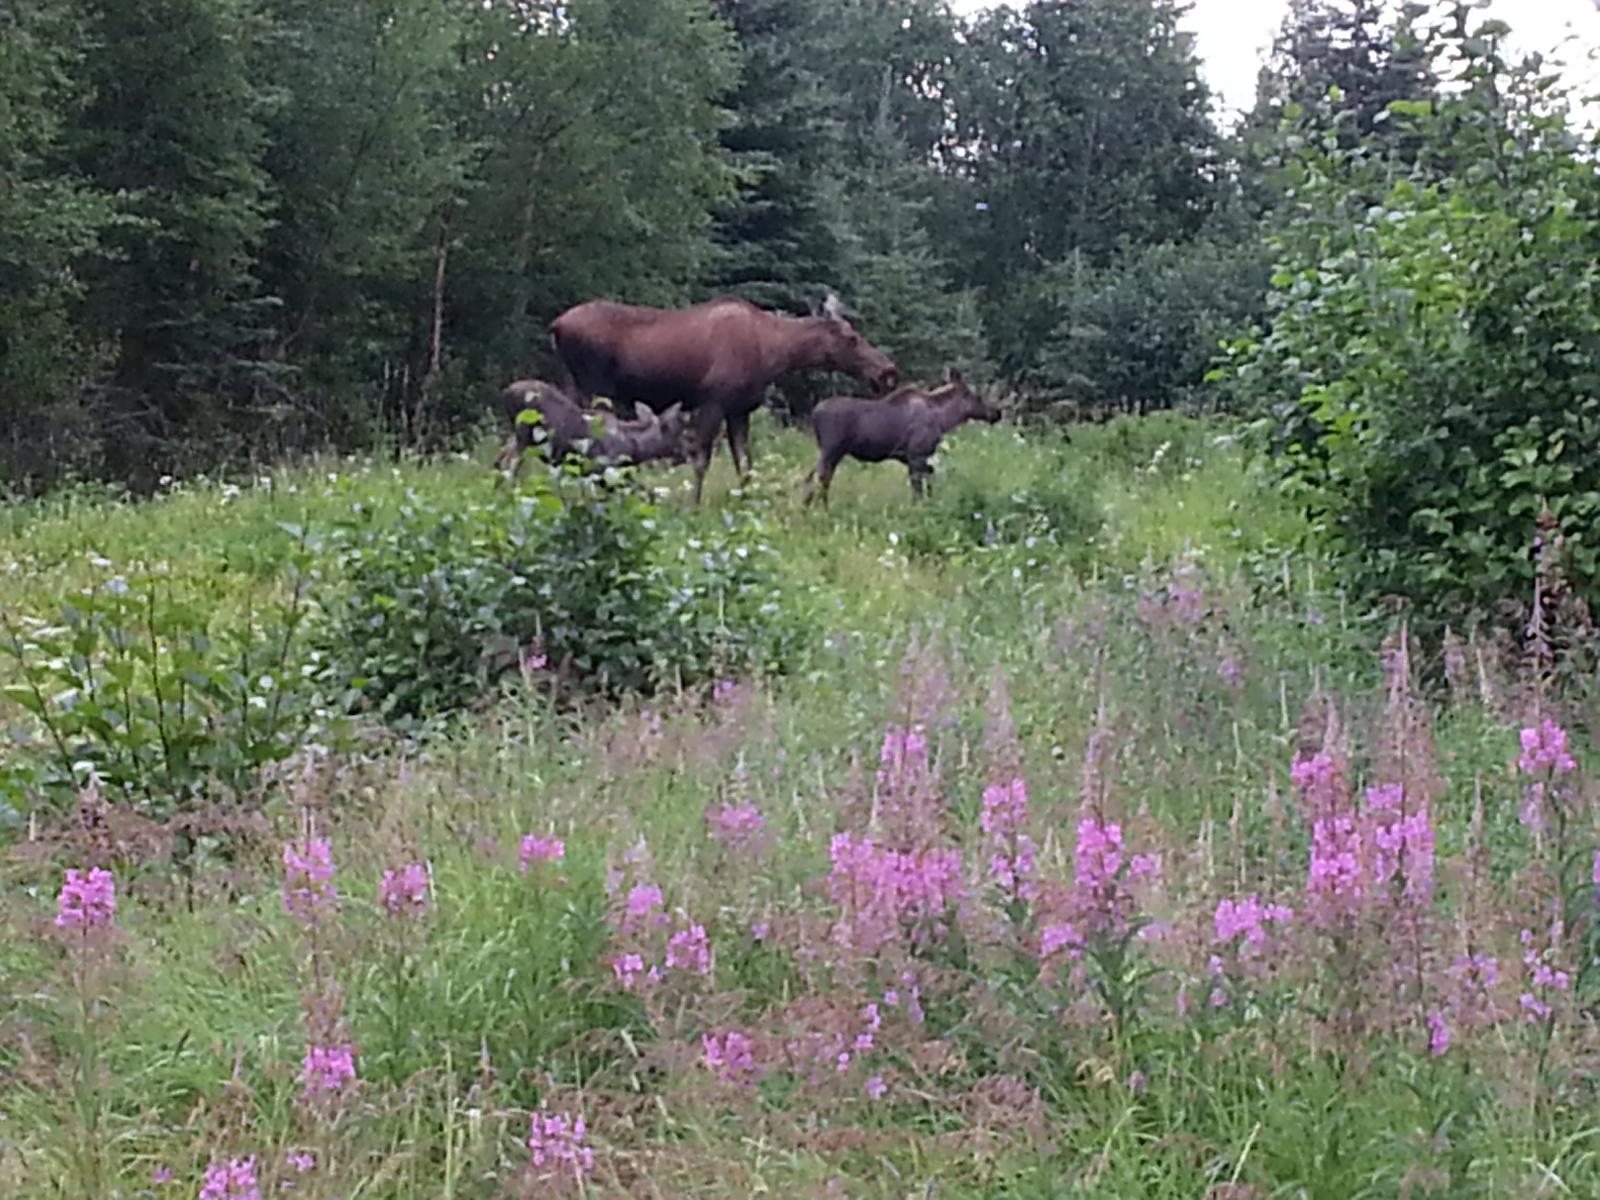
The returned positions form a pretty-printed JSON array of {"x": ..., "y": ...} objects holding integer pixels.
[
  {"x": 569, "y": 430},
  {"x": 906, "y": 426}
]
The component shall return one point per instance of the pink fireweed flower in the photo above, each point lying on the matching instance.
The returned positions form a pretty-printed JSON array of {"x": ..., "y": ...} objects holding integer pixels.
[
  {"x": 730, "y": 1057},
  {"x": 1098, "y": 855},
  {"x": 1438, "y": 1034},
  {"x": 536, "y": 849},
  {"x": 644, "y": 904},
  {"x": 231, "y": 1180},
  {"x": 884, "y": 894},
  {"x": 1337, "y": 879},
  {"x": 1248, "y": 917},
  {"x": 87, "y": 900},
  {"x": 327, "y": 1069},
  {"x": 1541, "y": 976},
  {"x": 736, "y": 826},
  {"x": 1005, "y": 808},
  {"x": 161, "y": 1175},
  {"x": 404, "y": 893},
  {"x": 557, "y": 1140},
  {"x": 689, "y": 950},
  {"x": 1145, "y": 868},
  {"x": 1402, "y": 843},
  {"x": 631, "y": 973},
  {"x": 308, "y": 892},
  {"x": 1058, "y": 937},
  {"x": 1544, "y": 748},
  {"x": 302, "y": 1161},
  {"x": 1011, "y": 851},
  {"x": 875, "y": 1087}
]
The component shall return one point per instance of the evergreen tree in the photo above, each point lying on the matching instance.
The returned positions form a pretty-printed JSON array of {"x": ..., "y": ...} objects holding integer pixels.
[
  {"x": 899, "y": 284},
  {"x": 177, "y": 124},
  {"x": 776, "y": 242},
  {"x": 51, "y": 226}
]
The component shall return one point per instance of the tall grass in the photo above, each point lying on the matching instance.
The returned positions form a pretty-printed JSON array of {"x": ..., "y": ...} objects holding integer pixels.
[{"x": 1168, "y": 650}]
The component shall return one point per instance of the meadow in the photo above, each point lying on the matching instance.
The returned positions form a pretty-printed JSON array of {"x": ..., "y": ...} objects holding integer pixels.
[{"x": 1072, "y": 834}]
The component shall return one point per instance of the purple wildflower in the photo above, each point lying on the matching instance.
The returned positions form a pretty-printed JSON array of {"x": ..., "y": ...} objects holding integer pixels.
[
  {"x": 736, "y": 826},
  {"x": 160, "y": 1175},
  {"x": 875, "y": 1087},
  {"x": 1248, "y": 917},
  {"x": 536, "y": 849},
  {"x": 885, "y": 894},
  {"x": 644, "y": 904},
  {"x": 87, "y": 900},
  {"x": 1402, "y": 843},
  {"x": 1544, "y": 748},
  {"x": 307, "y": 888},
  {"x": 730, "y": 1056},
  {"x": 688, "y": 950},
  {"x": 327, "y": 1069},
  {"x": 1011, "y": 850},
  {"x": 555, "y": 1140},
  {"x": 1438, "y": 1034},
  {"x": 404, "y": 893},
  {"x": 302, "y": 1161},
  {"x": 231, "y": 1180}
]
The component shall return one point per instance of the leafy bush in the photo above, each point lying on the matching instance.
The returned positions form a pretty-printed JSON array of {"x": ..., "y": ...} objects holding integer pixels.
[
  {"x": 439, "y": 603},
  {"x": 1432, "y": 374},
  {"x": 141, "y": 680}
]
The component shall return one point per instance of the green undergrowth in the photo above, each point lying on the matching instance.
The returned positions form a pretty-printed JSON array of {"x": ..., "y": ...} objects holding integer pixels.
[{"x": 1133, "y": 580}]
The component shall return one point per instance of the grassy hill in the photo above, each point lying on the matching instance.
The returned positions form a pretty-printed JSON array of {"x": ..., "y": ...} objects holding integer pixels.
[{"x": 1270, "y": 913}]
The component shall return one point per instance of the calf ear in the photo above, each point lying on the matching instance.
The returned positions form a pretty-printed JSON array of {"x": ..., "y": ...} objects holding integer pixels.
[
  {"x": 832, "y": 308},
  {"x": 953, "y": 375},
  {"x": 645, "y": 411}
]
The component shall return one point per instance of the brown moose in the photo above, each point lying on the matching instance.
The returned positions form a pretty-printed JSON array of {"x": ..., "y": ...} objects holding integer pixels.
[
  {"x": 569, "y": 429},
  {"x": 716, "y": 359},
  {"x": 906, "y": 426}
]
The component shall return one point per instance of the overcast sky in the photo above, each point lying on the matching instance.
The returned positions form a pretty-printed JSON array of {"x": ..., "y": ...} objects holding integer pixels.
[{"x": 1233, "y": 34}]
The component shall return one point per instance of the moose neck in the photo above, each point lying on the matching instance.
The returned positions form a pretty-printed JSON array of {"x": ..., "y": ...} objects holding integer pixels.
[{"x": 804, "y": 343}]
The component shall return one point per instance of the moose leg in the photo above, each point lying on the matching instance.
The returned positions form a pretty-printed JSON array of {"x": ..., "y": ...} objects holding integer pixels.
[
  {"x": 739, "y": 443},
  {"x": 702, "y": 439}
]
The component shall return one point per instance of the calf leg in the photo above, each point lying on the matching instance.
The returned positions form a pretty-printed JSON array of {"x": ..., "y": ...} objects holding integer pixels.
[{"x": 920, "y": 471}]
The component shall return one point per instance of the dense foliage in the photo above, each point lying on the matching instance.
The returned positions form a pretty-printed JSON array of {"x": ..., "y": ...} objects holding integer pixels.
[{"x": 1431, "y": 378}]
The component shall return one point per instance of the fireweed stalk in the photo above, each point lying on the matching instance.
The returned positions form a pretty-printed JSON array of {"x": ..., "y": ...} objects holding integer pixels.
[
  {"x": 403, "y": 895},
  {"x": 86, "y": 909},
  {"x": 328, "y": 1069}
]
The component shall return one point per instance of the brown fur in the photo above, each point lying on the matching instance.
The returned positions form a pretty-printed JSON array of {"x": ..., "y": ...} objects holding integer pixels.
[
  {"x": 715, "y": 359},
  {"x": 906, "y": 426},
  {"x": 569, "y": 428}
]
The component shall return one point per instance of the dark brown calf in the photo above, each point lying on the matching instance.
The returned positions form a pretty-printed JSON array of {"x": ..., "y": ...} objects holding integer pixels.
[
  {"x": 569, "y": 429},
  {"x": 906, "y": 427}
]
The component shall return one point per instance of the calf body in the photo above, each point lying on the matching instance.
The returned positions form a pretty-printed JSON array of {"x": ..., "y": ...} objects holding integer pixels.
[
  {"x": 906, "y": 426},
  {"x": 569, "y": 428}
]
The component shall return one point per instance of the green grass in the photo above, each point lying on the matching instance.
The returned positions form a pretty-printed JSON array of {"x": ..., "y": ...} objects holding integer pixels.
[{"x": 1038, "y": 559}]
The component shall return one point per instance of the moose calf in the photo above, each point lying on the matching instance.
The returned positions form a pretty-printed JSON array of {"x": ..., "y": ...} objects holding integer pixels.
[
  {"x": 569, "y": 429},
  {"x": 906, "y": 426}
]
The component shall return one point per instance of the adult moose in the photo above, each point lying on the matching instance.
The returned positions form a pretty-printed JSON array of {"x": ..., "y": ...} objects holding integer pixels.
[
  {"x": 569, "y": 430},
  {"x": 906, "y": 426},
  {"x": 717, "y": 359}
]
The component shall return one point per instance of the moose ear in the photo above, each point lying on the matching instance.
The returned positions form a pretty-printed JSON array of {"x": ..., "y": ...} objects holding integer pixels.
[
  {"x": 832, "y": 308},
  {"x": 953, "y": 375},
  {"x": 645, "y": 411}
]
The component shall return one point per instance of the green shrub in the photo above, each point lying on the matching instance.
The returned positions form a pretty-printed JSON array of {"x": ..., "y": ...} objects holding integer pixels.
[
  {"x": 141, "y": 680},
  {"x": 577, "y": 578},
  {"x": 1432, "y": 375}
]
